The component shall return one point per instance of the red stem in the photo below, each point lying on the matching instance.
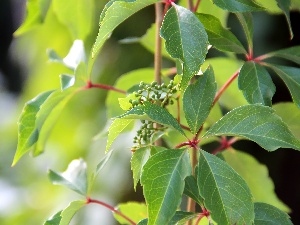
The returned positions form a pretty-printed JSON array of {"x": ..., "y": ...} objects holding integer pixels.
[
  {"x": 196, "y": 5},
  {"x": 225, "y": 86},
  {"x": 103, "y": 86},
  {"x": 224, "y": 144},
  {"x": 89, "y": 200}
]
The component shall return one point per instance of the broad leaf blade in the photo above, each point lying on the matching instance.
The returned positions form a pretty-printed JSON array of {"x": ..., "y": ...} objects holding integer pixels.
[
  {"x": 257, "y": 123},
  {"x": 117, "y": 126},
  {"x": 290, "y": 76},
  {"x": 54, "y": 220},
  {"x": 138, "y": 160},
  {"x": 292, "y": 54},
  {"x": 76, "y": 15},
  {"x": 198, "y": 99},
  {"x": 256, "y": 84},
  {"x": 226, "y": 195},
  {"x": 163, "y": 182},
  {"x": 134, "y": 210},
  {"x": 68, "y": 213},
  {"x": 114, "y": 14},
  {"x": 27, "y": 133},
  {"x": 284, "y": 5},
  {"x": 66, "y": 81},
  {"x": 191, "y": 189},
  {"x": 155, "y": 113},
  {"x": 74, "y": 178},
  {"x": 219, "y": 37},
  {"x": 256, "y": 176},
  {"x": 238, "y": 5},
  {"x": 186, "y": 39},
  {"x": 266, "y": 214}
]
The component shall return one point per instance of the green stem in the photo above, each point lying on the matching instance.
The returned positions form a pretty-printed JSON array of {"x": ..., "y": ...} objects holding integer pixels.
[{"x": 89, "y": 200}]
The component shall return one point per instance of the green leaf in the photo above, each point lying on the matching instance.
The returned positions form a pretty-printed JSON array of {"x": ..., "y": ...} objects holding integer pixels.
[
  {"x": 292, "y": 54},
  {"x": 36, "y": 11},
  {"x": 66, "y": 81},
  {"x": 238, "y": 5},
  {"x": 284, "y": 5},
  {"x": 27, "y": 133},
  {"x": 48, "y": 115},
  {"x": 54, "y": 220},
  {"x": 186, "y": 39},
  {"x": 134, "y": 210},
  {"x": 219, "y": 37},
  {"x": 114, "y": 14},
  {"x": 289, "y": 114},
  {"x": 103, "y": 162},
  {"x": 143, "y": 222},
  {"x": 226, "y": 195},
  {"x": 247, "y": 24},
  {"x": 256, "y": 176},
  {"x": 191, "y": 189},
  {"x": 256, "y": 84},
  {"x": 68, "y": 213},
  {"x": 198, "y": 99},
  {"x": 74, "y": 178},
  {"x": 117, "y": 126},
  {"x": 155, "y": 113},
  {"x": 257, "y": 123},
  {"x": 266, "y": 214},
  {"x": 291, "y": 78},
  {"x": 138, "y": 160},
  {"x": 163, "y": 182},
  {"x": 76, "y": 16}
]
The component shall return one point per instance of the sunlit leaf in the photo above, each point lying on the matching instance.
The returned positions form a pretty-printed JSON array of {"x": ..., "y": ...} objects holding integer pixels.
[
  {"x": 27, "y": 133},
  {"x": 266, "y": 214},
  {"x": 138, "y": 160},
  {"x": 221, "y": 38},
  {"x": 257, "y": 123},
  {"x": 155, "y": 113},
  {"x": 289, "y": 114},
  {"x": 284, "y": 5},
  {"x": 134, "y": 210},
  {"x": 163, "y": 184},
  {"x": 54, "y": 220},
  {"x": 74, "y": 178},
  {"x": 238, "y": 5},
  {"x": 66, "y": 81},
  {"x": 198, "y": 99},
  {"x": 256, "y": 176},
  {"x": 76, "y": 16},
  {"x": 68, "y": 213},
  {"x": 226, "y": 195},
  {"x": 291, "y": 78},
  {"x": 117, "y": 126},
  {"x": 114, "y": 14},
  {"x": 186, "y": 39},
  {"x": 256, "y": 84}
]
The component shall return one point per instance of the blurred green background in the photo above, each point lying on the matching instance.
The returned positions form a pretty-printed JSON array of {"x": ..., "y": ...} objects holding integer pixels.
[{"x": 26, "y": 194}]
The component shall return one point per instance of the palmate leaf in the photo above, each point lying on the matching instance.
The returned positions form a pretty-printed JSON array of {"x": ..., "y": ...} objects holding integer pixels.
[
  {"x": 292, "y": 54},
  {"x": 238, "y": 5},
  {"x": 219, "y": 37},
  {"x": 163, "y": 184},
  {"x": 186, "y": 40},
  {"x": 256, "y": 176},
  {"x": 198, "y": 99},
  {"x": 155, "y": 113},
  {"x": 191, "y": 189},
  {"x": 284, "y": 5},
  {"x": 226, "y": 195},
  {"x": 266, "y": 214},
  {"x": 247, "y": 24},
  {"x": 115, "y": 12},
  {"x": 257, "y": 123},
  {"x": 74, "y": 178},
  {"x": 256, "y": 84},
  {"x": 290, "y": 76}
]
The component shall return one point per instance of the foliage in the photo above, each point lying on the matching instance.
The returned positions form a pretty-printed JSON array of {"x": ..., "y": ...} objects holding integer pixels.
[{"x": 183, "y": 99}]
